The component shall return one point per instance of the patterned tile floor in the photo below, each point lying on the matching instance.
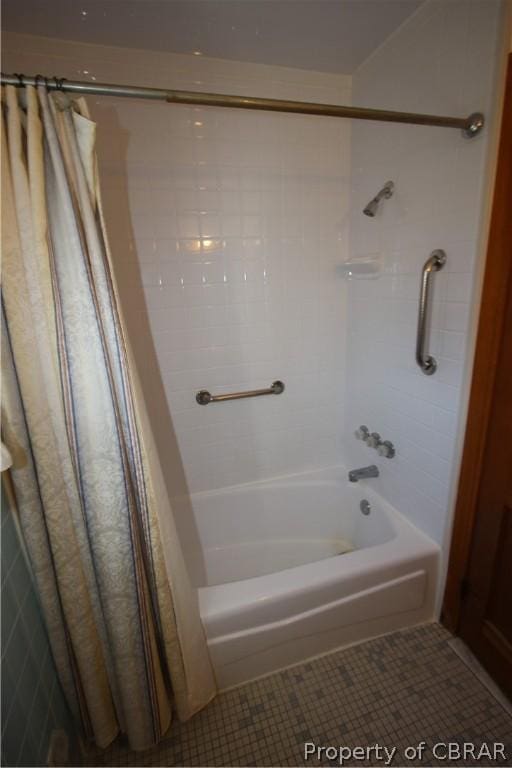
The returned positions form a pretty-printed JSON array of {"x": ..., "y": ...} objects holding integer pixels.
[{"x": 394, "y": 691}]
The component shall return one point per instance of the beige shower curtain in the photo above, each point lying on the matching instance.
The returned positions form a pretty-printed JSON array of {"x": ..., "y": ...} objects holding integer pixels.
[{"x": 122, "y": 617}]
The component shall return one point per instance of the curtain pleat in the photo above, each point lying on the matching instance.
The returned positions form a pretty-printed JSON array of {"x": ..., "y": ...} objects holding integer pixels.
[{"x": 121, "y": 614}]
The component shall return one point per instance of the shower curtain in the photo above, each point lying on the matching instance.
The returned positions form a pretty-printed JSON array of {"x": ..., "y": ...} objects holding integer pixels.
[{"x": 122, "y": 617}]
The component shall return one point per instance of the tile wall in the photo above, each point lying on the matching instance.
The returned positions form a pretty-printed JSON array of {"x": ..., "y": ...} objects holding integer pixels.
[
  {"x": 32, "y": 702},
  {"x": 226, "y": 229},
  {"x": 442, "y": 61}
]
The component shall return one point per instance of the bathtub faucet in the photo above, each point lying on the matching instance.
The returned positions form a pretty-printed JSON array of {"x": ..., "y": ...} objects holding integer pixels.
[{"x": 360, "y": 474}]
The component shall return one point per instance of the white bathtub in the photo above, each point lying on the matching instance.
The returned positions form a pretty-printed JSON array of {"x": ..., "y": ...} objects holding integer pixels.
[{"x": 274, "y": 589}]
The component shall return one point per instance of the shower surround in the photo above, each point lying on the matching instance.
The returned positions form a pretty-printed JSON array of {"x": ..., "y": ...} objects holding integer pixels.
[
  {"x": 228, "y": 230},
  {"x": 234, "y": 222},
  {"x": 445, "y": 59}
]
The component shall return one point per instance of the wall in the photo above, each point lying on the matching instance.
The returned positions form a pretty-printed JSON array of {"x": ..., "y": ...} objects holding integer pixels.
[
  {"x": 32, "y": 701},
  {"x": 233, "y": 222},
  {"x": 443, "y": 60}
]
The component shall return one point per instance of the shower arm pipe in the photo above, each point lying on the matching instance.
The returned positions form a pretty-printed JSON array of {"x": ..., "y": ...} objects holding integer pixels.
[{"x": 470, "y": 126}]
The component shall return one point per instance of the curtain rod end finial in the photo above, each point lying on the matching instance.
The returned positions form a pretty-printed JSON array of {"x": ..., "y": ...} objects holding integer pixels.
[{"x": 475, "y": 123}]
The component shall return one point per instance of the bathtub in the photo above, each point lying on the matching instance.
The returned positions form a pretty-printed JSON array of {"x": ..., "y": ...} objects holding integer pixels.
[{"x": 290, "y": 568}]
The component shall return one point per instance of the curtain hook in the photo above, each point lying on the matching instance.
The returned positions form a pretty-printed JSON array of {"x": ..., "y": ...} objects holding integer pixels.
[
  {"x": 21, "y": 79},
  {"x": 59, "y": 83},
  {"x": 37, "y": 80}
]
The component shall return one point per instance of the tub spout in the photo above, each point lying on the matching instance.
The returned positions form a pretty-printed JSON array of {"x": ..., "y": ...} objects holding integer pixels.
[{"x": 360, "y": 474}]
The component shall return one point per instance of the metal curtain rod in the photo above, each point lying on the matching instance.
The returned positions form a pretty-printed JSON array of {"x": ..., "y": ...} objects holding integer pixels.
[{"x": 470, "y": 126}]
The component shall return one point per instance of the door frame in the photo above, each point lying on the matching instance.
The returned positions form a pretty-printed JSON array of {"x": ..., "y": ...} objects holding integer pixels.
[{"x": 497, "y": 276}]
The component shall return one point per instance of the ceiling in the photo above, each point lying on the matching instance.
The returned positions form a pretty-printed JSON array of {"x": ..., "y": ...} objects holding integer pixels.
[{"x": 325, "y": 35}]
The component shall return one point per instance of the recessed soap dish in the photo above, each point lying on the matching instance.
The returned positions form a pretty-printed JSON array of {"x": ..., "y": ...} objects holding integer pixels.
[{"x": 364, "y": 268}]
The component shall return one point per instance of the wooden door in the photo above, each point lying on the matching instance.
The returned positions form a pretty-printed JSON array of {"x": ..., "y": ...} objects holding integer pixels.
[
  {"x": 486, "y": 610},
  {"x": 478, "y": 597}
]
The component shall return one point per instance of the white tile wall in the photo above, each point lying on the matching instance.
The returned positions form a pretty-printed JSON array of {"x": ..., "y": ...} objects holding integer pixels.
[
  {"x": 441, "y": 61},
  {"x": 226, "y": 228}
]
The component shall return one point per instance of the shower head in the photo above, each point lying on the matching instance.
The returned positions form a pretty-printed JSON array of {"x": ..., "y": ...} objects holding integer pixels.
[
  {"x": 386, "y": 191},
  {"x": 371, "y": 208}
]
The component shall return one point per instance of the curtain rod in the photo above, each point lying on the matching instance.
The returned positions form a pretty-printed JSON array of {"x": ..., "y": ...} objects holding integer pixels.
[{"x": 470, "y": 126}]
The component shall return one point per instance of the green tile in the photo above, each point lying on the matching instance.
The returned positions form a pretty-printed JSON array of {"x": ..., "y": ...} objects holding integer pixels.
[
  {"x": 37, "y": 723},
  {"x": 10, "y": 545},
  {"x": 29, "y": 753},
  {"x": 9, "y": 613},
  {"x": 28, "y": 673},
  {"x": 17, "y": 651},
  {"x": 20, "y": 579},
  {"x": 8, "y": 690},
  {"x": 14, "y": 731},
  {"x": 27, "y": 684},
  {"x": 33, "y": 626}
]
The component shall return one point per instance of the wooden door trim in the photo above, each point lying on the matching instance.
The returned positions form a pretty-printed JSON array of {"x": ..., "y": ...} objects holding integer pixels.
[
  {"x": 498, "y": 640},
  {"x": 498, "y": 273}
]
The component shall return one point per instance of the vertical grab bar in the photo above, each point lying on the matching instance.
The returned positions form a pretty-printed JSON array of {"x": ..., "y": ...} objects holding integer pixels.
[{"x": 434, "y": 263}]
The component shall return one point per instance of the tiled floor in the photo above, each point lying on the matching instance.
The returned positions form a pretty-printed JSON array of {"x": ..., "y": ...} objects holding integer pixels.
[{"x": 395, "y": 691}]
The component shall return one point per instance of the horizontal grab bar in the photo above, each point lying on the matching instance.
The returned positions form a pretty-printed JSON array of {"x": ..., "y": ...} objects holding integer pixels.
[{"x": 204, "y": 397}]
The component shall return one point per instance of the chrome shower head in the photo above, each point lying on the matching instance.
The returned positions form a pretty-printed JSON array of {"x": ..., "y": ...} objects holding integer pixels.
[
  {"x": 386, "y": 192},
  {"x": 371, "y": 208}
]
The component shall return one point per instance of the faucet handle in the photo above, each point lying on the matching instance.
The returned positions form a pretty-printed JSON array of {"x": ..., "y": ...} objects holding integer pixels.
[
  {"x": 362, "y": 433},
  {"x": 386, "y": 448},
  {"x": 373, "y": 440}
]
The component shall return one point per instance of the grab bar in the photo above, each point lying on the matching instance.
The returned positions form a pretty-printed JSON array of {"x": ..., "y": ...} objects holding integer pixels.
[
  {"x": 434, "y": 263},
  {"x": 204, "y": 397}
]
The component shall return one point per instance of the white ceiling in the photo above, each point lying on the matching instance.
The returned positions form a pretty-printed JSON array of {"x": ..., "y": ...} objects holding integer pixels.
[{"x": 324, "y": 35}]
